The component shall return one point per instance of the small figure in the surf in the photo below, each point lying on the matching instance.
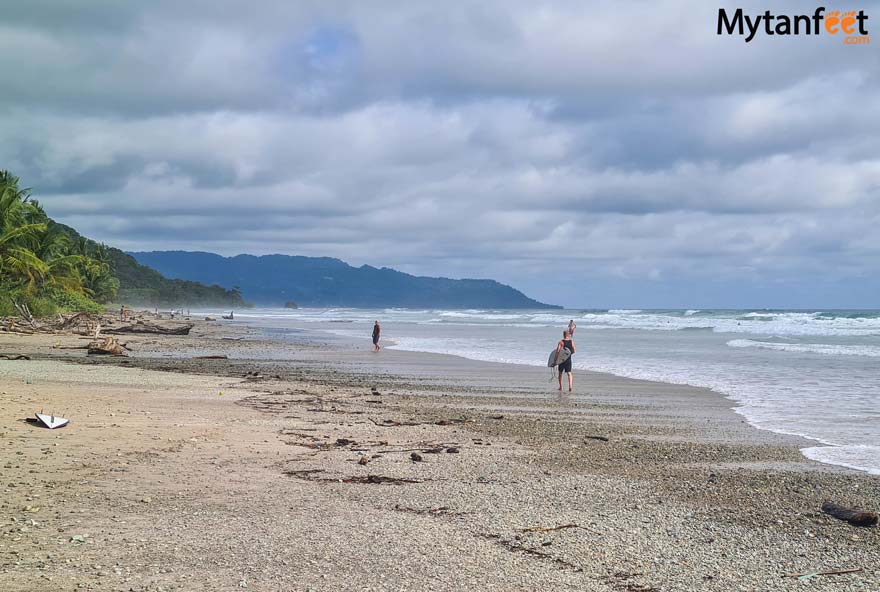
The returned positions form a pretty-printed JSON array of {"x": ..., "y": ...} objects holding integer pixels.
[
  {"x": 565, "y": 367},
  {"x": 571, "y": 327},
  {"x": 377, "y": 331}
]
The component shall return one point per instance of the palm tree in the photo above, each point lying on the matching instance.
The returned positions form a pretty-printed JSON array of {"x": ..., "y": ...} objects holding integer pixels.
[{"x": 19, "y": 229}]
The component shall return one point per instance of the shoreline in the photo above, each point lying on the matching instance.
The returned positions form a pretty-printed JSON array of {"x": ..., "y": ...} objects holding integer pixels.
[{"x": 255, "y": 479}]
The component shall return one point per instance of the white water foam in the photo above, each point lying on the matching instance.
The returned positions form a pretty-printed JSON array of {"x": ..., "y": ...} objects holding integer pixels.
[
  {"x": 858, "y": 456},
  {"x": 868, "y": 351}
]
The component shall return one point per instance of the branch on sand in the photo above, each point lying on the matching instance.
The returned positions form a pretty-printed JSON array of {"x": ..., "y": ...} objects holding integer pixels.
[{"x": 853, "y": 516}]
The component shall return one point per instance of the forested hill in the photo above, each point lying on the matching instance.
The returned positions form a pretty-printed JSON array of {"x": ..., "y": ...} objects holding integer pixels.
[
  {"x": 47, "y": 267},
  {"x": 272, "y": 280},
  {"x": 141, "y": 285}
]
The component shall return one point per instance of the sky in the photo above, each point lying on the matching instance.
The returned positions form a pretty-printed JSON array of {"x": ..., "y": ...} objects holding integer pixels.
[{"x": 601, "y": 154}]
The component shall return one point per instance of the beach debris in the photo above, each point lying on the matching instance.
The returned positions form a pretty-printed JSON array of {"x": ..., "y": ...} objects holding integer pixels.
[
  {"x": 210, "y": 319},
  {"x": 51, "y": 421},
  {"x": 145, "y": 327},
  {"x": 213, "y": 357},
  {"x": 445, "y": 422},
  {"x": 375, "y": 392},
  {"x": 379, "y": 479},
  {"x": 363, "y": 460},
  {"x": 14, "y": 357},
  {"x": 344, "y": 442},
  {"x": 416, "y": 457},
  {"x": 851, "y": 515},
  {"x": 441, "y": 511},
  {"x": 516, "y": 547},
  {"x": 600, "y": 438},
  {"x": 803, "y": 577},
  {"x": 452, "y": 450},
  {"x": 312, "y": 475},
  {"x": 497, "y": 417},
  {"x": 78, "y": 539},
  {"x": 25, "y": 313},
  {"x": 549, "y": 528},
  {"x": 385, "y": 423},
  {"x": 107, "y": 347}
]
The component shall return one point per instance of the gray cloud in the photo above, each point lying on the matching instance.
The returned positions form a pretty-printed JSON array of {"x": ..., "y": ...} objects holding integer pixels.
[{"x": 581, "y": 154}]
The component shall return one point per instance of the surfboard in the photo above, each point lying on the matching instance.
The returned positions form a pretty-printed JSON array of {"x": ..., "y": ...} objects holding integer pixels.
[
  {"x": 554, "y": 360},
  {"x": 51, "y": 421}
]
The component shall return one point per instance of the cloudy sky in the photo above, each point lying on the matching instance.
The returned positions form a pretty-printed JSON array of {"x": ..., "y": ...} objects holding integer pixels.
[{"x": 606, "y": 154}]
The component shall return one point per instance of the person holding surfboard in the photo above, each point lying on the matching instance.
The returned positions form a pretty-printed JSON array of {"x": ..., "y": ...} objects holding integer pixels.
[
  {"x": 377, "y": 330},
  {"x": 565, "y": 367}
]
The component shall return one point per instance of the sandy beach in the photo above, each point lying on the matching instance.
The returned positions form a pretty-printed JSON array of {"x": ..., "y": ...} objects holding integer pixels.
[{"x": 314, "y": 464}]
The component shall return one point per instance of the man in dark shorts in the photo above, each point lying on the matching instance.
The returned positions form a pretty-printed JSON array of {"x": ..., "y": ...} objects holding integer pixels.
[
  {"x": 565, "y": 367},
  {"x": 377, "y": 330}
]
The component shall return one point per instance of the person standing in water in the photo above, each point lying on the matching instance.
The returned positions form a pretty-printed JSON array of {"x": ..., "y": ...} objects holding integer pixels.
[
  {"x": 377, "y": 330},
  {"x": 565, "y": 367},
  {"x": 571, "y": 327}
]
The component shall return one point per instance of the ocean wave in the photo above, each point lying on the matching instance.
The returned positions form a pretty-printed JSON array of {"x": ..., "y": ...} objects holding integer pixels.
[
  {"x": 480, "y": 314},
  {"x": 812, "y": 348}
]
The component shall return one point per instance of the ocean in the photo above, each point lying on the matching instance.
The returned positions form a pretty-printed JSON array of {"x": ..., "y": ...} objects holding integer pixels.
[{"x": 808, "y": 373}]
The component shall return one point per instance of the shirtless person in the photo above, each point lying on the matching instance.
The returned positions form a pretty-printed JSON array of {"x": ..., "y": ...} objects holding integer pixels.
[
  {"x": 377, "y": 330},
  {"x": 568, "y": 343}
]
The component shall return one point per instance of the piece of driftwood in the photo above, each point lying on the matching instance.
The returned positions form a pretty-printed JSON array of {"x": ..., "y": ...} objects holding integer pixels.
[
  {"x": 851, "y": 515},
  {"x": 107, "y": 347},
  {"x": 813, "y": 574},
  {"x": 142, "y": 327},
  {"x": 14, "y": 357},
  {"x": 219, "y": 357},
  {"x": 25, "y": 313},
  {"x": 549, "y": 528},
  {"x": 600, "y": 438},
  {"x": 387, "y": 423}
]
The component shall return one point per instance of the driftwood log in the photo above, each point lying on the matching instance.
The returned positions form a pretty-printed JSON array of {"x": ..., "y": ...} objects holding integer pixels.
[
  {"x": 107, "y": 347},
  {"x": 854, "y": 517},
  {"x": 142, "y": 327}
]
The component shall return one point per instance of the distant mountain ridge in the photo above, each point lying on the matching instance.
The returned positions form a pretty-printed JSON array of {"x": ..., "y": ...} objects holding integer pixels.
[{"x": 323, "y": 281}]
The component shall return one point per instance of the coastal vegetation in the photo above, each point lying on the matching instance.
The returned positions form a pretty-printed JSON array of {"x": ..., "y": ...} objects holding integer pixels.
[
  {"x": 41, "y": 267},
  {"x": 48, "y": 267}
]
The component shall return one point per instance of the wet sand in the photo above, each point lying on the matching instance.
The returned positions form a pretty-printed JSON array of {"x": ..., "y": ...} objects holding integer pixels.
[{"x": 185, "y": 474}]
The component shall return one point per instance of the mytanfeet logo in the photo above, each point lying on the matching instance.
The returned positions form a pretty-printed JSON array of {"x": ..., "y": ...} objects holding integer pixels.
[{"x": 851, "y": 25}]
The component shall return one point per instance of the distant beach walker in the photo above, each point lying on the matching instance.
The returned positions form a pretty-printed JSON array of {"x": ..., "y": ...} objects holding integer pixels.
[{"x": 377, "y": 331}]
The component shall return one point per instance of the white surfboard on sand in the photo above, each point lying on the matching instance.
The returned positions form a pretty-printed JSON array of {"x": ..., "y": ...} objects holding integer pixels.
[{"x": 52, "y": 421}]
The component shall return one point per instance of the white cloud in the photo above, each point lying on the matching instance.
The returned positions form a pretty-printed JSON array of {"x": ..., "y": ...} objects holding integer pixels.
[{"x": 513, "y": 139}]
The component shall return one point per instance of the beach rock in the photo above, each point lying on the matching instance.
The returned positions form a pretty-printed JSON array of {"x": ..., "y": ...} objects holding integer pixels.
[{"x": 416, "y": 457}]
